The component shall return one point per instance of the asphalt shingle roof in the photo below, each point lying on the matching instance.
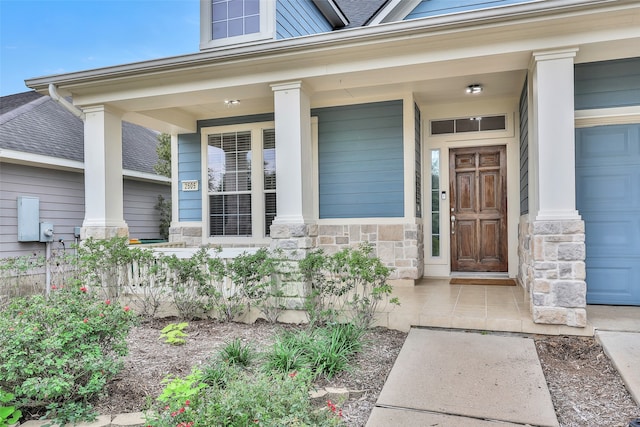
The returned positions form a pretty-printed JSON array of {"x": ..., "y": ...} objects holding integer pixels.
[
  {"x": 34, "y": 123},
  {"x": 359, "y": 12}
]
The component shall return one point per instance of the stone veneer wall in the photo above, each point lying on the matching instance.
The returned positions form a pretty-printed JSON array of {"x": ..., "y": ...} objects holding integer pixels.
[
  {"x": 552, "y": 270},
  {"x": 192, "y": 238},
  {"x": 400, "y": 246}
]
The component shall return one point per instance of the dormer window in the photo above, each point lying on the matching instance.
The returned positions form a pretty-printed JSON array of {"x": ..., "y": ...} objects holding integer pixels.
[{"x": 226, "y": 22}]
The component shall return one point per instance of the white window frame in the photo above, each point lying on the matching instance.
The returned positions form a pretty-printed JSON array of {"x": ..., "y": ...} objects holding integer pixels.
[
  {"x": 267, "y": 26},
  {"x": 258, "y": 225}
]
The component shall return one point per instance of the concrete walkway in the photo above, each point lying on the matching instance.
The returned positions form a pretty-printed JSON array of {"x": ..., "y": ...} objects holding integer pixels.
[
  {"x": 623, "y": 348},
  {"x": 454, "y": 378}
]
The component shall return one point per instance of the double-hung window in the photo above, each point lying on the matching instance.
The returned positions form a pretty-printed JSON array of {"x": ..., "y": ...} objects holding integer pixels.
[
  {"x": 227, "y": 22},
  {"x": 241, "y": 180}
]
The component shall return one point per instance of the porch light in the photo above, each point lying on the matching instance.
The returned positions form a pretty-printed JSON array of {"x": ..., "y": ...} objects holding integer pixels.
[{"x": 474, "y": 89}]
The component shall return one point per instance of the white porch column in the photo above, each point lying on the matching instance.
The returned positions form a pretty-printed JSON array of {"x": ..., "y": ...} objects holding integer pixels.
[
  {"x": 553, "y": 103},
  {"x": 293, "y": 153},
  {"x": 104, "y": 213},
  {"x": 557, "y": 235}
]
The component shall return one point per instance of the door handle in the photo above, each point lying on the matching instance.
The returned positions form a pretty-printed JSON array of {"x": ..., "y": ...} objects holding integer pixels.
[{"x": 453, "y": 224}]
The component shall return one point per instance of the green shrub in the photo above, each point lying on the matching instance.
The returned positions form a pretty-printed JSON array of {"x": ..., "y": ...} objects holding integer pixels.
[
  {"x": 103, "y": 265},
  {"x": 261, "y": 399},
  {"x": 237, "y": 353},
  {"x": 61, "y": 351},
  {"x": 194, "y": 288},
  {"x": 254, "y": 278},
  {"x": 348, "y": 286}
]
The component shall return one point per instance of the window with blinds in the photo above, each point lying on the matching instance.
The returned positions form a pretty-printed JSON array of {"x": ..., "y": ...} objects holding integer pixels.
[{"x": 241, "y": 181}]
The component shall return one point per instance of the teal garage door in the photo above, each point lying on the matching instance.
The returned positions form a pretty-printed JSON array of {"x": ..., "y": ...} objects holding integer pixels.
[{"x": 608, "y": 198}]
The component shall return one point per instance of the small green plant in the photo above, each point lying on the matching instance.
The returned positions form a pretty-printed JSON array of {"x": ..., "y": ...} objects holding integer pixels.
[
  {"x": 9, "y": 415},
  {"x": 178, "y": 390},
  {"x": 237, "y": 353},
  {"x": 174, "y": 333}
]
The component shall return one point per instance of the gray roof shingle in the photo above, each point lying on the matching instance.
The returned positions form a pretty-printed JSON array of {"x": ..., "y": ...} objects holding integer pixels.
[
  {"x": 359, "y": 12},
  {"x": 34, "y": 123}
]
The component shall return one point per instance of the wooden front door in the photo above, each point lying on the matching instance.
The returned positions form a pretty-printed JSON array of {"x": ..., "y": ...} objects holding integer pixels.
[{"x": 478, "y": 208}]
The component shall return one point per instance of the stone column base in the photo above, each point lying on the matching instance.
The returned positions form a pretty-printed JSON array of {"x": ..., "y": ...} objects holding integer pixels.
[
  {"x": 103, "y": 232},
  {"x": 557, "y": 273}
]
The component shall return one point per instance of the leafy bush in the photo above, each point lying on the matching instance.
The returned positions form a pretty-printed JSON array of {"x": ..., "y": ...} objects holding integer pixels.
[
  {"x": 59, "y": 353},
  {"x": 254, "y": 276},
  {"x": 103, "y": 265},
  {"x": 194, "y": 288},
  {"x": 243, "y": 399},
  {"x": 347, "y": 286}
]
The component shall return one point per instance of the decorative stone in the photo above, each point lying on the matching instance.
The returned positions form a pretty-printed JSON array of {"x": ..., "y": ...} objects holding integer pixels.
[
  {"x": 318, "y": 397},
  {"x": 337, "y": 394},
  {"x": 135, "y": 419},
  {"x": 573, "y": 227},
  {"x": 550, "y": 315},
  {"x": 391, "y": 232},
  {"x": 577, "y": 318},
  {"x": 571, "y": 251},
  {"x": 547, "y": 227},
  {"x": 192, "y": 231},
  {"x": 342, "y": 240},
  {"x": 570, "y": 293}
]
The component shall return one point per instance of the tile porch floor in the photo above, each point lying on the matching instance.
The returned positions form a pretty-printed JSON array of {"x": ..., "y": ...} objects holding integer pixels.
[{"x": 436, "y": 303}]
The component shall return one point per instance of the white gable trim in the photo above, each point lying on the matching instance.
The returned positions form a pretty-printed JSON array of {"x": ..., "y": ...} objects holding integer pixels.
[
  {"x": 395, "y": 10},
  {"x": 332, "y": 12}
]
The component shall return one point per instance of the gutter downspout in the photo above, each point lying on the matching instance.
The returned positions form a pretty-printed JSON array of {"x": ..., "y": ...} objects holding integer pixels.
[{"x": 53, "y": 93}]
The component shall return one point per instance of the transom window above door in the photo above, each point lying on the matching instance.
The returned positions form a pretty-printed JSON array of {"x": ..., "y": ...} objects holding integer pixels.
[{"x": 468, "y": 124}]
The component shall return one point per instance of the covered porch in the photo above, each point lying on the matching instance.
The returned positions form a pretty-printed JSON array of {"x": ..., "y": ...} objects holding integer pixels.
[{"x": 433, "y": 302}]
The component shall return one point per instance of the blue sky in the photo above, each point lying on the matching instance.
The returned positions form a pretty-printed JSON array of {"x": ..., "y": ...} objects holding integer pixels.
[{"x": 44, "y": 37}]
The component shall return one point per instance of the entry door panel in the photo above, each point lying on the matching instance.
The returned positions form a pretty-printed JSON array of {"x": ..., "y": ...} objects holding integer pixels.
[{"x": 478, "y": 207}]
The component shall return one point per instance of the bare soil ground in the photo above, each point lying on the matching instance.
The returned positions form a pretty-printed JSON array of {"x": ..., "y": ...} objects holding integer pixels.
[{"x": 585, "y": 388}]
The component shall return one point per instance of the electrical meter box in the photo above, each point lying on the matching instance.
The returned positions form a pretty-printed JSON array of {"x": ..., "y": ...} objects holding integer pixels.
[
  {"x": 46, "y": 232},
  {"x": 28, "y": 219}
]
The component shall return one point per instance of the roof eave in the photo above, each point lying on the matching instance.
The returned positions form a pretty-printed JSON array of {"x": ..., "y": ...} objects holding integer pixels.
[{"x": 350, "y": 36}]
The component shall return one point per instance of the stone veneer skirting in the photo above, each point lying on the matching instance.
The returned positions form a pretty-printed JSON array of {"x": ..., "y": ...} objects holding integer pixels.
[
  {"x": 552, "y": 270},
  {"x": 400, "y": 246}
]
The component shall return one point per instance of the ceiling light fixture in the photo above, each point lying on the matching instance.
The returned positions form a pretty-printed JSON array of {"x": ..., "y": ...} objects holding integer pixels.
[
  {"x": 231, "y": 102},
  {"x": 474, "y": 89}
]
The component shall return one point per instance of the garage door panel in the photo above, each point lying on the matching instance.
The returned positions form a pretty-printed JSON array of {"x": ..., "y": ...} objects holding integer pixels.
[
  {"x": 611, "y": 281},
  {"x": 608, "y": 198},
  {"x": 607, "y": 236},
  {"x": 601, "y": 190},
  {"x": 620, "y": 148}
]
